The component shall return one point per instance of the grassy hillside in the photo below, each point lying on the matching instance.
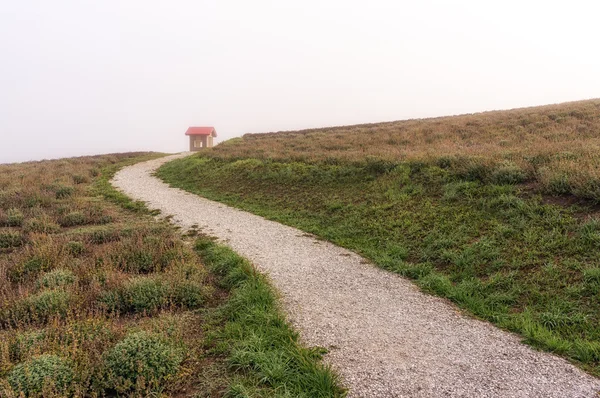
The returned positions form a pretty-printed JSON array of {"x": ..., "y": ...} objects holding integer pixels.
[
  {"x": 555, "y": 147},
  {"x": 97, "y": 298},
  {"x": 495, "y": 211}
]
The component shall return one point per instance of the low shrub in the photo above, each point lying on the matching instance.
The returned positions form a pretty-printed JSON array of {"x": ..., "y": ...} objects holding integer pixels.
[
  {"x": 50, "y": 302},
  {"x": 141, "y": 360},
  {"x": 377, "y": 165},
  {"x": 554, "y": 183},
  {"x": 444, "y": 162},
  {"x": 56, "y": 278},
  {"x": 24, "y": 342},
  {"x": 153, "y": 252},
  {"x": 170, "y": 257},
  {"x": 139, "y": 261},
  {"x": 14, "y": 218},
  {"x": 145, "y": 294},
  {"x": 111, "y": 301},
  {"x": 73, "y": 218},
  {"x": 34, "y": 376},
  {"x": 508, "y": 173},
  {"x": 472, "y": 169},
  {"x": 104, "y": 219},
  {"x": 104, "y": 235},
  {"x": 80, "y": 179},
  {"x": 63, "y": 192},
  {"x": 75, "y": 248},
  {"x": 433, "y": 175},
  {"x": 38, "y": 307},
  {"x": 461, "y": 190},
  {"x": 28, "y": 268},
  {"x": 37, "y": 199},
  {"x": 188, "y": 294},
  {"x": 10, "y": 239},
  {"x": 42, "y": 224},
  {"x": 95, "y": 214},
  {"x": 587, "y": 187}
]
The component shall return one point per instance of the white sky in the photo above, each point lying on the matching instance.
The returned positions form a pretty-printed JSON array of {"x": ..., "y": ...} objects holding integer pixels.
[{"x": 87, "y": 77}]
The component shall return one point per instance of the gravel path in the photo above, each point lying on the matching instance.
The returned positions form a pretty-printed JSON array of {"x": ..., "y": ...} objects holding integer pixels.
[{"x": 386, "y": 339}]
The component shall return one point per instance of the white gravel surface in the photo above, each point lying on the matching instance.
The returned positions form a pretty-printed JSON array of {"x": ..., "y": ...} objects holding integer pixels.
[{"x": 385, "y": 337}]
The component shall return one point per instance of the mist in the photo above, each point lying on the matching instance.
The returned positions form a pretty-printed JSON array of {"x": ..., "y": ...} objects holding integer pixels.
[{"x": 82, "y": 77}]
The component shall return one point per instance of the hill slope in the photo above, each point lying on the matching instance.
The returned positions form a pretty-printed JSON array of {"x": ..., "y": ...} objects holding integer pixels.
[
  {"x": 459, "y": 204},
  {"x": 555, "y": 145}
]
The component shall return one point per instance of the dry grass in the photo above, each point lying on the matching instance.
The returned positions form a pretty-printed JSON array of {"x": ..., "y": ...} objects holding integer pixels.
[
  {"x": 555, "y": 146},
  {"x": 97, "y": 298},
  {"x": 74, "y": 273}
]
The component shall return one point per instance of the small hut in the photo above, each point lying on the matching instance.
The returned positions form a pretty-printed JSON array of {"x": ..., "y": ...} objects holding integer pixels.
[{"x": 201, "y": 137}]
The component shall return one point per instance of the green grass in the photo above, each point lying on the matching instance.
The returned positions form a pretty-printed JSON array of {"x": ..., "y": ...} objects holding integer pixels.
[
  {"x": 259, "y": 344},
  {"x": 474, "y": 236}
]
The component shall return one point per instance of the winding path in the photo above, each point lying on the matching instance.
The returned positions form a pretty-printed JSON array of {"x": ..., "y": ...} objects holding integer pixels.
[{"x": 385, "y": 337}]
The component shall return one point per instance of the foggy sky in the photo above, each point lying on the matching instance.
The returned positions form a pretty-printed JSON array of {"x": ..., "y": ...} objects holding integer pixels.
[{"x": 87, "y": 77}]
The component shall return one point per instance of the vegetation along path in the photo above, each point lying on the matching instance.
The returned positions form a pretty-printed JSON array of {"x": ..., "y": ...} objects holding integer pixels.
[{"x": 384, "y": 337}]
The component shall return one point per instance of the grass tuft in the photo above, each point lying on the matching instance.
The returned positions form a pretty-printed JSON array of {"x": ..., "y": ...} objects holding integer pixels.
[{"x": 58, "y": 278}]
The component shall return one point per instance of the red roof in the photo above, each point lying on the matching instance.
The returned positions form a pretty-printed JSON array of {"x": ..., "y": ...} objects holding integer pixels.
[{"x": 201, "y": 131}]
